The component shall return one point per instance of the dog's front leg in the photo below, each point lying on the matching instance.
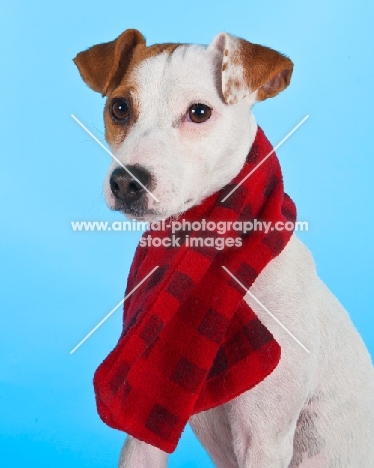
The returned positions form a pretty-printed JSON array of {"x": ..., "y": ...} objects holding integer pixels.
[
  {"x": 138, "y": 454},
  {"x": 261, "y": 438}
]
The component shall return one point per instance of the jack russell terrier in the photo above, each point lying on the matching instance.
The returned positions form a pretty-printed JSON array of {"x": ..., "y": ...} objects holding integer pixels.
[{"x": 179, "y": 121}]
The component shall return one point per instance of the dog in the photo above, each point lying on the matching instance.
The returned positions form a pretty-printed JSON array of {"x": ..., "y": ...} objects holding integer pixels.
[{"x": 179, "y": 117}]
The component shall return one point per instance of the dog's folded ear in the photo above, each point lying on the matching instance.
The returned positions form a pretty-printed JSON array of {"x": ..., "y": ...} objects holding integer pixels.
[
  {"x": 250, "y": 68},
  {"x": 103, "y": 65}
]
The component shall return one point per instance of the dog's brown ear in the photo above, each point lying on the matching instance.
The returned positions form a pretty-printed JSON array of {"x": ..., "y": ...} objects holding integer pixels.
[
  {"x": 103, "y": 65},
  {"x": 248, "y": 68}
]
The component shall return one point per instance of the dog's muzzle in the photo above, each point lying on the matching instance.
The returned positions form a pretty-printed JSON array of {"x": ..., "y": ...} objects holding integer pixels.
[{"x": 129, "y": 188}]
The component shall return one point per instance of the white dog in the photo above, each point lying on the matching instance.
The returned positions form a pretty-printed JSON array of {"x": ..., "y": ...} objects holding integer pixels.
[{"x": 180, "y": 118}]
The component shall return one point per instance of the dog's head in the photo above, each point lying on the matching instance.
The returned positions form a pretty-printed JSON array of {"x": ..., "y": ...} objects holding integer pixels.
[{"x": 178, "y": 117}]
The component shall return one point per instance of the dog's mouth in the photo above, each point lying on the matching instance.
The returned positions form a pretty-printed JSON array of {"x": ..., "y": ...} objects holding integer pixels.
[
  {"x": 139, "y": 212},
  {"x": 145, "y": 215}
]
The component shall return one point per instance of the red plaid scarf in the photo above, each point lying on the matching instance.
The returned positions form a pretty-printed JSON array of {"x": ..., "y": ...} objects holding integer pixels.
[{"x": 190, "y": 342}]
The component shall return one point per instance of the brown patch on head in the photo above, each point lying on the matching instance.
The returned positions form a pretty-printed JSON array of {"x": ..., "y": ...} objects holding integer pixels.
[
  {"x": 250, "y": 67},
  {"x": 151, "y": 51},
  {"x": 106, "y": 68},
  {"x": 127, "y": 88},
  {"x": 265, "y": 69},
  {"x": 103, "y": 65}
]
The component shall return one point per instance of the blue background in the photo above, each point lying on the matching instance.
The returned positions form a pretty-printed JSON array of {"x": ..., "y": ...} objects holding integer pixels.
[{"x": 56, "y": 285}]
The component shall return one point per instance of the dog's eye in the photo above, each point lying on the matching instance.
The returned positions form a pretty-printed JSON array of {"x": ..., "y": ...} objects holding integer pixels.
[
  {"x": 199, "y": 113},
  {"x": 120, "y": 110}
]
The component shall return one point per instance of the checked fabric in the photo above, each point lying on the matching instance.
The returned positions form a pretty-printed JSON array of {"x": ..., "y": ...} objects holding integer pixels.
[{"x": 190, "y": 342}]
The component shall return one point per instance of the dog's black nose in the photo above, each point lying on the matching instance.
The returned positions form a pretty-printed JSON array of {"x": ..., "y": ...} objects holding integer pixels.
[{"x": 128, "y": 188}]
